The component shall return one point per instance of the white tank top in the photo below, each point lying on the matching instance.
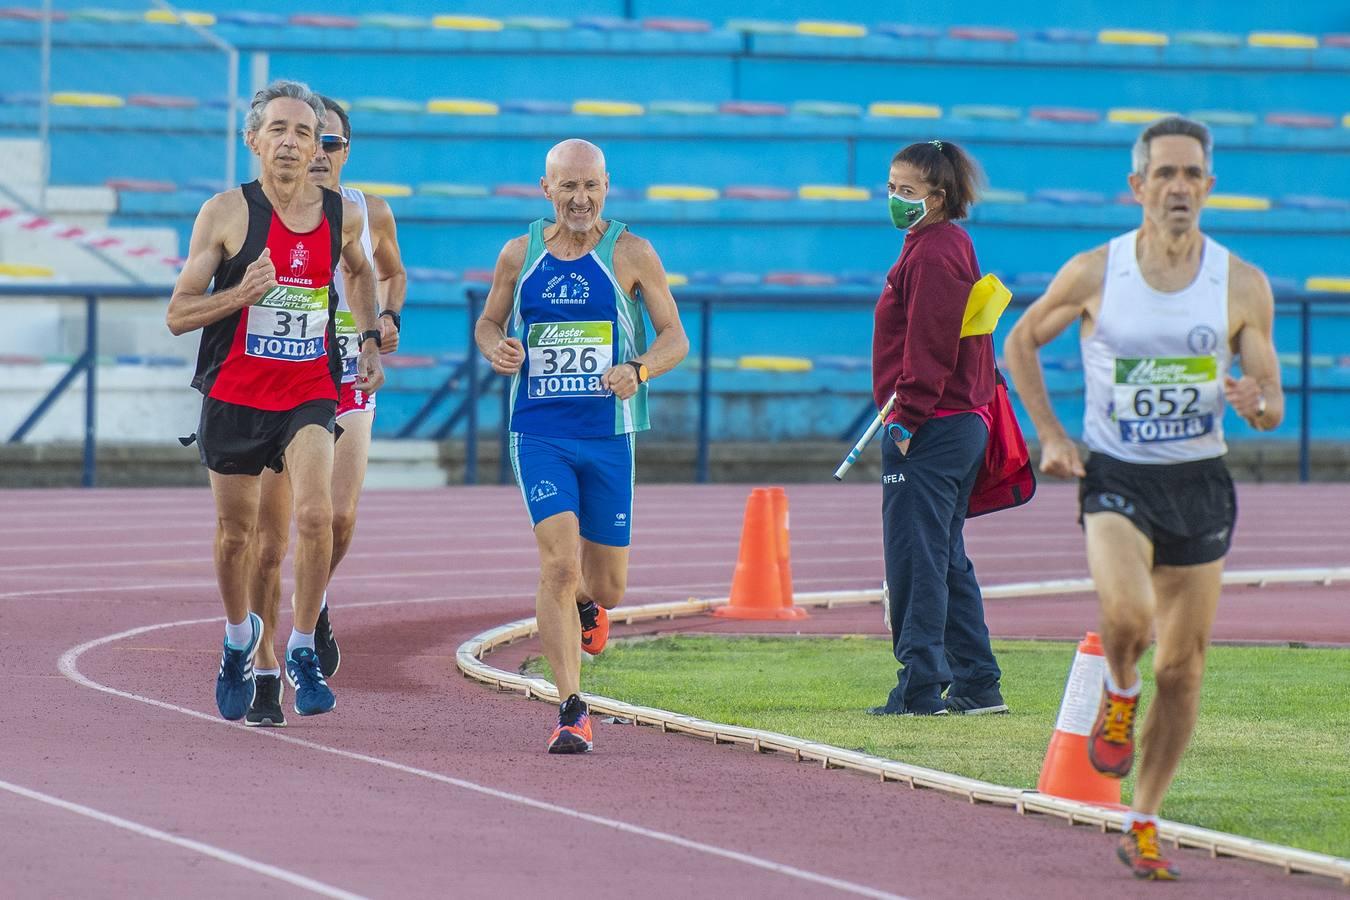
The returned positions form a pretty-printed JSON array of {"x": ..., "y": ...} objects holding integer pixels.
[
  {"x": 343, "y": 322},
  {"x": 1153, "y": 368}
]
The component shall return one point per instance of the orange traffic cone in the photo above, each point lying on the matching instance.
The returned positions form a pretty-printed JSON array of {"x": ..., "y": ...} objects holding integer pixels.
[
  {"x": 757, "y": 585},
  {"x": 784, "y": 542},
  {"x": 1067, "y": 772}
]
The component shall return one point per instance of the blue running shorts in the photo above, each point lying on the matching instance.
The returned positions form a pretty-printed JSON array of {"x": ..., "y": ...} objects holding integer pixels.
[{"x": 590, "y": 477}]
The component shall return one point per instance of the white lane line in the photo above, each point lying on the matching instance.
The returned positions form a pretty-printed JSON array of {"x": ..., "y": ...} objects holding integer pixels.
[
  {"x": 526, "y": 589},
  {"x": 802, "y": 556},
  {"x": 217, "y": 853},
  {"x": 68, "y": 664},
  {"x": 802, "y": 536},
  {"x": 510, "y": 527}
]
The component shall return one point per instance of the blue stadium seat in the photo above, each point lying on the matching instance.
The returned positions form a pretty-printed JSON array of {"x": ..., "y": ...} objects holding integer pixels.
[
  {"x": 252, "y": 19},
  {"x": 909, "y": 32},
  {"x": 738, "y": 279},
  {"x": 1064, "y": 36},
  {"x": 608, "y": 23},
  {"x": 1062, "y": 197},
  {"x": 537, "y": 107},
  {"x": 1315, "y": 204}
]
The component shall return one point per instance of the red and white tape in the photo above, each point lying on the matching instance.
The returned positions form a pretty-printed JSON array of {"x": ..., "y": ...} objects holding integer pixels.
[{"x": 19, "y": 220}]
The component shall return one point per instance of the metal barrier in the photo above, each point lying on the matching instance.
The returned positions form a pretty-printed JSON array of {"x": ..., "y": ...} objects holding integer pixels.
[
  {"x": 475, "y": 386},
  {"x": 707, "y": 300},
  {"x": 86, "y": 363}
]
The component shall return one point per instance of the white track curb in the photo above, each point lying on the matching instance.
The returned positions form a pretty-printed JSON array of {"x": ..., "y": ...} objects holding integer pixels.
[{"x": 1290, "y": 859}]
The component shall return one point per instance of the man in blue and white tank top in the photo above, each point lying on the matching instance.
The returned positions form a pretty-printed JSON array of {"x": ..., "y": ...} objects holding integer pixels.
[
  {"x": 1163, "y": 311},
  {"x": 564, "y": 319}
]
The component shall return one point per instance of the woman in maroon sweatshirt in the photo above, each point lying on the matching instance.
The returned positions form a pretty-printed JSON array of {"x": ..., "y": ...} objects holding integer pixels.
[{"x": 935, "y": 439}]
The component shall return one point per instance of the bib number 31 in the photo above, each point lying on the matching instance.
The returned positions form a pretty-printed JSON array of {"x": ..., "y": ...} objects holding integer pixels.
[{"x": 288, "y": 324}]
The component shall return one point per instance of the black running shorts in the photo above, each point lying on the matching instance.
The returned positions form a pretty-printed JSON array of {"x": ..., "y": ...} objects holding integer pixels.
[
  {"x": 240, "y": 440},
  {"x": 1187, "y": 510}
]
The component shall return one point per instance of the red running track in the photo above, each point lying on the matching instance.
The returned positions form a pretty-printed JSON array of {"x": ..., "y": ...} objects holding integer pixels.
[{"x": 116, "y": 777}]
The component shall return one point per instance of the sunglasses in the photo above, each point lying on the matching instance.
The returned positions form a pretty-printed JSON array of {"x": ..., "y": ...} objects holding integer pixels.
[{"x": 331, "y": 143}]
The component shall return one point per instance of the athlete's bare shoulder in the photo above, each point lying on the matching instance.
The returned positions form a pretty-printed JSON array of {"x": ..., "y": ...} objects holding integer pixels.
[
  {"x": 225, "y": 206},
  {"x": 1078, "y": 283},
  {"x": 1086, "y": 269},
  {"x": 223, "y": 220},
  {"x": 633, "y": 248},
  {"x": 513, "y": 252},
  {"x": 378, "y": 211},
  {"x": 1249, "y": 294}
]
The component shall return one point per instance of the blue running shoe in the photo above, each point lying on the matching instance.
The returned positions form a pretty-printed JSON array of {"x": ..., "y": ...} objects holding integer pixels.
[
  {"x": 312, "y": 694},
  {"x": 235, "y": 685}
]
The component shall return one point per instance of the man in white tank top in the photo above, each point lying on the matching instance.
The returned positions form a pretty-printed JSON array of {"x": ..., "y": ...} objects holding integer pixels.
[
  {"x": 1162, "y": 312},
  {"x": 355, "y": 414}
]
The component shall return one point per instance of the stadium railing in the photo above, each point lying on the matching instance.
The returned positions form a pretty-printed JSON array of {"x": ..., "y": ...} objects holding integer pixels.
[
  {"x": 707, "y": 301},
  {"x": 471, "y": 382}
]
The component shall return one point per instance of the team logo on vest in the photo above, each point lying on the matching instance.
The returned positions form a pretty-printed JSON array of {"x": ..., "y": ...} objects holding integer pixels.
[
  {"x": 1202, "y": 339},
  {"x": 571, "y": 289},
  {"x": 299, "y": 259}
]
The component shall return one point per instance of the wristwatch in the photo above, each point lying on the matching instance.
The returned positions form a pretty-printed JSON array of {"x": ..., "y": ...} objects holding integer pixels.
[
  {"x": 641, "y": 369},
  {"x": 393, "y": 317},
  {"x": 373, "y": 334}
]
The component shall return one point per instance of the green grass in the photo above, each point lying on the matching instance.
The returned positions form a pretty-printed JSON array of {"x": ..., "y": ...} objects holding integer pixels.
[{"x": 1270, "y": 758}]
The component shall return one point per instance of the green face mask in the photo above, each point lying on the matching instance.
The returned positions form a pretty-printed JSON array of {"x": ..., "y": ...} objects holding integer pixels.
[{"x": 904, "y": 213}]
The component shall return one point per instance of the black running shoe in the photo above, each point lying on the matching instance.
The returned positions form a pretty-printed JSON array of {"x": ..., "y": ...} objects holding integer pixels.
[
  {"x": 982, "y": 703},
  {"x": 266, "y": 708},
  {"x": 325, "y": 645}
]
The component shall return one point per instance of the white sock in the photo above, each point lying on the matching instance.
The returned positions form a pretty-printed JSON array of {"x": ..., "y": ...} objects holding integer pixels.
[
  {"x": 1133, "y": 818},
  {"x": 238, "y": 636},
  {"x": 1120, "y": 691},
  {"x": 275, "y": 673},
  {"x": 299, "y": 639},
  {"x": 325, "y": 600}
]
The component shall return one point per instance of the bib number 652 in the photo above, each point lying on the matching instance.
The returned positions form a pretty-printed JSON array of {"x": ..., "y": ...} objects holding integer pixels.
[{"x": 1165, "y": 402}]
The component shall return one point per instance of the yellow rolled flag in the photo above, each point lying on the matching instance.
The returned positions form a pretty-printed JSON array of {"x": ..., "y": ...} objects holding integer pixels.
[{"x": 987, "y": 300}]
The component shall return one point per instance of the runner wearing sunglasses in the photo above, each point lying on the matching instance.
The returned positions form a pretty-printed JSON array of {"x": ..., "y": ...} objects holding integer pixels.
[{"x": 355, "y": 413}]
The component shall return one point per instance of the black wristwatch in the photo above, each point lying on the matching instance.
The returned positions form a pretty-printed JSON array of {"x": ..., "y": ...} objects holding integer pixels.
[
  {"x": 373, "y": 334},
  {"x": 394, "y": 317},
  {"x": 641, "y": 369}
]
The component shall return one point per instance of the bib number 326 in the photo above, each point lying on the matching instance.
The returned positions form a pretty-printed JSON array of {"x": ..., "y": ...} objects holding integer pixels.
[{"x": 567, "y": 359}]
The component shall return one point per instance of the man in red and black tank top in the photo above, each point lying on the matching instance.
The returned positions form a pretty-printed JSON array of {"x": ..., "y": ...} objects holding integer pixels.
[{"x": 256, "y": 282}]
